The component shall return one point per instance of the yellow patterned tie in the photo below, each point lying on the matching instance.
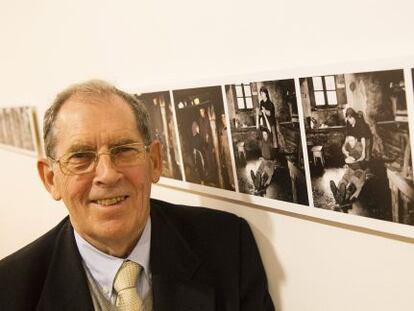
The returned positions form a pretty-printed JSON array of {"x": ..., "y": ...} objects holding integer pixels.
[{"x": 125, "y": 286}]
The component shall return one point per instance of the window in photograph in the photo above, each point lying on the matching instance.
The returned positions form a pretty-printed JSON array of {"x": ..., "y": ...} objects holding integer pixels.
[
  {"x": 324, "y": 88},
  {"x": 244, "y": 96}
]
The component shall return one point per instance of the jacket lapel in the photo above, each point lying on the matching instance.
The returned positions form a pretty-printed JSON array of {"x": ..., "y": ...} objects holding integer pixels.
[
  {"x": 173, "y": 265},
  {"x": 65, "y": 287}
]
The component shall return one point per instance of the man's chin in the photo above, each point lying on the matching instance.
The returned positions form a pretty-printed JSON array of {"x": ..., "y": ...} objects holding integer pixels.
[{"x": 113, "y": 231}]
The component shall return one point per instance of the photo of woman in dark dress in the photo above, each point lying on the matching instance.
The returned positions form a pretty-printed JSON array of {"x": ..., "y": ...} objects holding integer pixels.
[
  {"x": 265, "y": 115},
  {"x": 358, "y": 128}
]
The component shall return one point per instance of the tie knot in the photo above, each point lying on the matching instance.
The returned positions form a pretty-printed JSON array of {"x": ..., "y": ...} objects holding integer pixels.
[{"x": 127, "y": 276}]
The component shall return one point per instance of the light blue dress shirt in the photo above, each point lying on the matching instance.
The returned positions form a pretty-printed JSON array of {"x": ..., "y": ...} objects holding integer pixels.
[{"x": 104, "y": 267}]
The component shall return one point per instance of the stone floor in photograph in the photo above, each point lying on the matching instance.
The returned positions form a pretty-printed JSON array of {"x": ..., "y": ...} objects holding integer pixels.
[{"x": 374, "y": 200}]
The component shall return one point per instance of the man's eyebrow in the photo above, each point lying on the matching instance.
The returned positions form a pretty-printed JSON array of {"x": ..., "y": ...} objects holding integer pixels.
[
  {"x": 123, "y": 141},
  {"x": 78, "y": 147}
]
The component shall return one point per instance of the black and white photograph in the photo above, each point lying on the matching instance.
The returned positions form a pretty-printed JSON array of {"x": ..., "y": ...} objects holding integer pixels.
[
  {"x": 18, "y": 129},
  {"x": 266, "y": 140},
  {"x": 202, "y": 126},
  {"x": 358, "y": 144},
  {"x": 159, "y": 107}
]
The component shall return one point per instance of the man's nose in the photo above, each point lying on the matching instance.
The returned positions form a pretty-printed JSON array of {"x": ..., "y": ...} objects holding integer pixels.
[{"x": 106, "y": 172}]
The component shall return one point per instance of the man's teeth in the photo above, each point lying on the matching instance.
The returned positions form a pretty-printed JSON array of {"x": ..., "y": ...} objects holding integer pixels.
[{"x": 110, "y": 201}]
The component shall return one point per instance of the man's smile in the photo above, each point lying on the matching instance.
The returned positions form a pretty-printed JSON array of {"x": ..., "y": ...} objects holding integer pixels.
[{"x": 110, "y": 201}]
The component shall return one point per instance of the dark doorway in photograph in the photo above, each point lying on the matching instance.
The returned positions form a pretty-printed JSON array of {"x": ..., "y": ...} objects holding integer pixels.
[
  {"x": 266, "y": 140},
  {"x": 358, "y": 144},
  {"x": 203, "y": 136},
  {"x": 160, "y": 108}
]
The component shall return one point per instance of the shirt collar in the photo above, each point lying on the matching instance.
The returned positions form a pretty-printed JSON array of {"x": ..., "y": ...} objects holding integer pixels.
[{"x": 104, "y": 267}]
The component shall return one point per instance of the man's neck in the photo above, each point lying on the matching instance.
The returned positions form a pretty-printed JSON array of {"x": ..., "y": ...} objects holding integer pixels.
[{"x": 120, "y": 248}]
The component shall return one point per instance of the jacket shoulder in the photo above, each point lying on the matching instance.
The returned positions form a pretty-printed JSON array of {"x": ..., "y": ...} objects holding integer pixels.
[
  {"x": 206, "y": 230},
  {"x": 194, "y": 214},
  {"x": 22, "y": 273},
  {"x": 225, "y": 245}
]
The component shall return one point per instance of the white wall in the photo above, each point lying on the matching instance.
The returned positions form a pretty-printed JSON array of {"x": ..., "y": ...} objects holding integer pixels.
[{"x": 46, "y": 45}]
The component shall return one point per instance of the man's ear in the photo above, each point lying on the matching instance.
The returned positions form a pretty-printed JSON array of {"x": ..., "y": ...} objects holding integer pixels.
[
  {"x": 156, "y": 161},
  {"x": 44, "y": 168}
]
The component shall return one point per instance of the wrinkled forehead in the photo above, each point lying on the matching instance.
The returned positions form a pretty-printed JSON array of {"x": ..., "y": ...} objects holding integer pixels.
[{"x": 95, "y": 121}]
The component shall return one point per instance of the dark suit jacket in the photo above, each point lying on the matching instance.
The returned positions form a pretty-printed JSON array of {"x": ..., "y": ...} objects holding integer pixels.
[{"x": 201, "y": 259}]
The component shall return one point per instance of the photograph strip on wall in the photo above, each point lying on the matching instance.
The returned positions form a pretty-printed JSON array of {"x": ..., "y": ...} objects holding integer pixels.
[
  {"x": 19, "y": 130},
  {"x": 329, "y": 145}
]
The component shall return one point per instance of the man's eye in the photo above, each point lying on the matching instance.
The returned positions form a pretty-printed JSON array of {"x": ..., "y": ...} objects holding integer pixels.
[{"x": 81, "y": 156}]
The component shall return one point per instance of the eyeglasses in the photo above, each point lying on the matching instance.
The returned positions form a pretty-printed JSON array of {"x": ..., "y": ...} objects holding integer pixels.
[{"x": 83, "y": 162}]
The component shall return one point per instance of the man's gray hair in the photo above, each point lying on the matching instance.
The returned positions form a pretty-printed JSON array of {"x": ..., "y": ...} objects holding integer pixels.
[{"x": 93, "y": 88}]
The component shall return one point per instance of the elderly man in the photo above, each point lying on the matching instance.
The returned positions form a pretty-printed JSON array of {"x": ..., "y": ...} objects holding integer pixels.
[{"x": 118, "y": 249}]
